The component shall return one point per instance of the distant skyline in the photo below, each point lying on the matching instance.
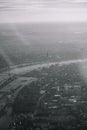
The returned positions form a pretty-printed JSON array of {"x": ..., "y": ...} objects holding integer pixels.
[{"x": 12, "y": 11}]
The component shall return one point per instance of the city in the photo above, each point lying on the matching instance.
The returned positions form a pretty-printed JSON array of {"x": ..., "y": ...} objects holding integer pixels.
[
  {"x": 43, "y": 64},
  {"x": 59, "y": 99}
]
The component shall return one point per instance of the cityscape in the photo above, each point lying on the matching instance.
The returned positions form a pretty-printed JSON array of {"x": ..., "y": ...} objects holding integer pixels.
[
  {"x": 43, "y": 64},
  {"x": 58, "y": 93}
]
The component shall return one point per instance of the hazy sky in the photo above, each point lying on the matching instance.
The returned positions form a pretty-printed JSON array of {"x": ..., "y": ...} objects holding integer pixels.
[{"x": 43, "y": 10}]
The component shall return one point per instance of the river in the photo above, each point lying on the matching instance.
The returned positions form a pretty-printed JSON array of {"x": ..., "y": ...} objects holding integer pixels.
[{"x": 35, "y": 67}]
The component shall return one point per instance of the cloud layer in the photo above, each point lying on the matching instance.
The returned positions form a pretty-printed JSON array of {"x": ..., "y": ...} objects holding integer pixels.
[{"x": 42, "y": 10}]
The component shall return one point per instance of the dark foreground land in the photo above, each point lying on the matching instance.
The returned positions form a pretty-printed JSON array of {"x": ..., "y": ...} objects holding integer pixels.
[{"x": 57, "y": 101}]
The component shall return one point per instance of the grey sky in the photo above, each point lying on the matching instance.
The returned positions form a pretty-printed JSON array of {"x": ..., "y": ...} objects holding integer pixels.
[{"x": 43, "y": 10}]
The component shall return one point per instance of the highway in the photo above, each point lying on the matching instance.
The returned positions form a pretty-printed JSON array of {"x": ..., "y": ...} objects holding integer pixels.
[{"x": 17, "y": 85}]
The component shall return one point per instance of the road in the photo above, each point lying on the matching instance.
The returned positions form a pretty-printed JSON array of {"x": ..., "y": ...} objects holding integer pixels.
[{"x": 6, "y": 118}]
